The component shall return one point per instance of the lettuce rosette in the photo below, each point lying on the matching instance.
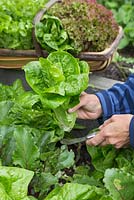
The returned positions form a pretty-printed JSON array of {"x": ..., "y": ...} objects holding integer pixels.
[{"x": 59, "y": 80}]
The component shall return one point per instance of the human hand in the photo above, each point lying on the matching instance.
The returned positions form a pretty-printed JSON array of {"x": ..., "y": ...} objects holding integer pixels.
[
  {"x": 114, "y": 131},
  {"x": 88, "y": 108}
]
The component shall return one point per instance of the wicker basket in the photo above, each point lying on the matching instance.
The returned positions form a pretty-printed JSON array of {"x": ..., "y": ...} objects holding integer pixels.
[{"x": 15, "y": 59}]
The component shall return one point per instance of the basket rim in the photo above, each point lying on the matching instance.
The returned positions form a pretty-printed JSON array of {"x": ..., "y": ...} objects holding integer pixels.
[{"x": 102, "y": 55}]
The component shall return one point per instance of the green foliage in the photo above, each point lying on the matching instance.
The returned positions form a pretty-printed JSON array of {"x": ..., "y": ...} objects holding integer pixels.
[
  {"x": 31, "y": 126},
  {"x": 32, "y": 122},
  {"x": 58, "y": 160},
  {"x": 76, "y": 191},
  {"x": 119, "y": 183},
  {"x": 125, "y": 18},
  {"x": 24, "y": 148},
  {"x": 28, "y": 135},
  {"x": 109, "y": 157},
  {"x": 112, "y": 4},
  {"x": 118, "y": 58},
  {"x": 106, "y": 156},
  {"x": 51, "y": 34},
  {"x": 57, "y": 80},
  {"x": 90, "y": 26},
  {"x": 116, "y": 170},
  {"x": 114, "y": 176},
  {"x": 14, "y": 183},
  {"x": 16, "y": 22},
  {"x": 123, "y": 12},
  {"x": 30, "y": 129}
]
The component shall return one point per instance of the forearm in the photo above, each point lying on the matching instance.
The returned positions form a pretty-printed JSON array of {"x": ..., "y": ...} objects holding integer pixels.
[{"x": 119, "y": 99}]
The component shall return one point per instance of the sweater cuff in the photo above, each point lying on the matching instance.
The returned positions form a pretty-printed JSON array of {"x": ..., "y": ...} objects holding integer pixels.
[
  {"x": 131, "y": 132},
  {"x": 106, "y": 103}
]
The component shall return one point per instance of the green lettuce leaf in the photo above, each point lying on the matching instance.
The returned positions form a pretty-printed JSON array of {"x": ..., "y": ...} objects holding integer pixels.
[
  {"x": 75, "y": 191},
  {"x": 51, "y": 34},
  {"x": 66, "y": 62},
  {"x": 16, "y": 23},
  {"x": 14, "y": 183},
  {"x": 120, "y": 184},
  {"x": 59, "y": 159},
  {"x": 66, "y": 121},
  {"x": 26, "y": 153},
  {"x": 104, "y": 155},
  {"x": 11, "y": 92},
  {"x": 43, "y": 182},
  {"x": 57, "y": 78}
]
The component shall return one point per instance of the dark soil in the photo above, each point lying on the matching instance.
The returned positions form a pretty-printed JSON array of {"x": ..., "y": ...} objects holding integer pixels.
[
  {"x": 127, "y": 52},
  {"x": 116, "y": 71}
]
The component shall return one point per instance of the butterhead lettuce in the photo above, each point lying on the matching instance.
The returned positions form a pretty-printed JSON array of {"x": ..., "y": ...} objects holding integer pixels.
[
  {"x": 14, "y": 183},
  {"x": 59, "y": 80}
]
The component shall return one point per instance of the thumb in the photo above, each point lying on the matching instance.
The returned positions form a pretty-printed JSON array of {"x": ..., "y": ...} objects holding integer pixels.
[
  {"x": 70, "y": 110},
  {"x": 75, "y": 108}
]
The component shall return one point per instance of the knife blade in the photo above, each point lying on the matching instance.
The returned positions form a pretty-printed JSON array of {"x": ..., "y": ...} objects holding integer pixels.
[{"x": 78, "y": 140}]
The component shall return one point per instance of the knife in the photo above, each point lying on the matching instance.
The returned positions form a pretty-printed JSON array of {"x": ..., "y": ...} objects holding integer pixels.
[{"x": 78, "y": 140}]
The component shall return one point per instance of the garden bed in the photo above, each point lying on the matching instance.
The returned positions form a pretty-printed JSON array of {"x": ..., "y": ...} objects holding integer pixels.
[
  {"x": 34, "y": 120},
  {"x": 86, "y": 167}
]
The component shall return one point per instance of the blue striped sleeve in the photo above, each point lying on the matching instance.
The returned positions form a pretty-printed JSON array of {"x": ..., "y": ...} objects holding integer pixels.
[
  {"x": 131, "y": 132},
  {"x": 119, "y": 99}
]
